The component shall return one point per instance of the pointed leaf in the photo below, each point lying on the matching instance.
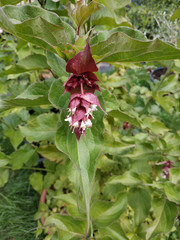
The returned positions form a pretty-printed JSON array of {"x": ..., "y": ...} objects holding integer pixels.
[
  {"x": 140, "y": 201},
  {"x": 57, "y": 96},
  {"x": 166, "y": 212},
  {"x": 124, "y": 117},
  {"x": 9, "y": 2},
  {"x": 36, "y": 25},
  {"x": 41, "y": 128},
  {"x": 114, "y": 232},
  {"x": 105, "y": 213},
  {"x": 82, "y": 11},
  {"x": 174, "y": 175},
  {"x": 67, "y": 224},
  {"x": 113, "y": 6},
  {"x": 57, "y": 64},
  {"x": 3, "y": 159},
  {"x": 4, "y": 175},
  {"x": 172, "y": 192},
  {"x": 83, "y": 153},
  {"x": 50, "y": 152},
  {"x": 119, "y": 47},
  {"x": 128, "y": 178},
  {"x": 36, "y": 180},
  {"x": 36, "y": 94},
  {"x": 29, "y": 63},
  {"x": 20, "y": 157}
]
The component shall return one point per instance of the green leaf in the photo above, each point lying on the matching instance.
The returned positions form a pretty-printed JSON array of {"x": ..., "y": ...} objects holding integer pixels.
[
  {"x": 9, "y": 2},
  {"x": 49, "y": 180},
  {"x": 172, "y": 192},
  {"x": 176, "y": 15},
  {"x": 36, "y": 180},
  {"x": 115, "y": 12},
  {"x": 50, "y": 152},
  {"x": 128, "y": 178},
  {"x": 36, "y": 94},
  {"x": 15, "y": 136},
  {"x": 3, "y": 159},
  {"x": 115, "y": 147},
  {"x": 113, "y": 5},
  {"x": 114, "y": 232},
  {"x": 166, "y": 212},
  {"x": 174, "y": 175},
  {"x": 69, "y": 224},
  {"x": 170, "y": 84},
  {"x": 83, "y": 153},
  {"x": 110, "y": 101},
  {"x": 4, "y": 175},
  {"x": 80, "y": 11},
  {"x": 105, "y": 213},
  {"x": 155, "y": 125},
  {"x": 124, "y": 117},
  {"x": 140, "y": 201},
  {"x": 63, "y": 235},
  {"x": 40, "y": 128},
  {"x": 167, "y": 102},
  {"x": 102, "y": 36},
  {"x": 74, "y": 208},
  {"x": 57, "y": 64},
  {"x": 36, "y": 25},
  {"x": 57, "y": 96},
  {"x": 20, "y": 157},
  {"x": 29, "y": 63},
  {"x": 119, "y": 47}
]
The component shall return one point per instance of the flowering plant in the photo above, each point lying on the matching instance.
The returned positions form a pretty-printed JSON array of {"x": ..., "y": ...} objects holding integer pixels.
[
  {"x": 120, "y": 181},
  {"x": 82, "y": 85}
]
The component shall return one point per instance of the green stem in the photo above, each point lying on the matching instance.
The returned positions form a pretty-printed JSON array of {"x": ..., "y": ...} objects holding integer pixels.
[
  {"x": 31, "y": 168},
  {"x": 91, "y": 230}
]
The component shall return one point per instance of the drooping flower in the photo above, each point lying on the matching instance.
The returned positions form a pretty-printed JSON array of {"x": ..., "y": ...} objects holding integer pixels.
[
  {"x": 165, "y": 169},
  {"x": 82, "y": 85},
  {"x": 167, "y": 165}
]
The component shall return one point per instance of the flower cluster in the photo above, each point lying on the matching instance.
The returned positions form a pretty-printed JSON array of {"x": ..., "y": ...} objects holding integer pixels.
[
  {"x": 82, "y": 85},
  {"x": 167, "y": 166},
  {"x": 165, "y": 169}
]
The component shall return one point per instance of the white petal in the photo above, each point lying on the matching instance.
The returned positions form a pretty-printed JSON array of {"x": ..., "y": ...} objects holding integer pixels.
[
  {"x": 76, "y": 125},
  {"x": 68, "y": 119},
  {"x": 88, "y": 123},
  {"x": 73, "y": 110},
  {"x": 83, "y": 125},
  {"x": 94, "y": 107}
]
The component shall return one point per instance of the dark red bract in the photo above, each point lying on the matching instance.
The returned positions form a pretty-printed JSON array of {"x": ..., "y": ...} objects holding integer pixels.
[
  {"x": 167, "y": 165},
  {"x": 82, "y": 85}
]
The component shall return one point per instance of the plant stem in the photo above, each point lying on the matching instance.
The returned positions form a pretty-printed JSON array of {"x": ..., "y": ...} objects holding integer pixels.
[
  {"x": 31, "y": 168},
  {"x": 87, "y": 231}
]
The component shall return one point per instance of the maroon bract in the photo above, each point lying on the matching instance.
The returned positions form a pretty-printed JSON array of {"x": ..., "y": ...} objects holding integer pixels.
[
  {"x": 126, "y": 125},
  {"x": 82, "y": 85},
  {"x": 167, "y": 166}
]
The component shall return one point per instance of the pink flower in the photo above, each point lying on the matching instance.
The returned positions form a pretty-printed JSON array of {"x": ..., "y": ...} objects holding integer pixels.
[
  {"x": 82, "y": 85},
  {"x": 167, "y": 166},
  {"x": 165, "y": 170}
]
